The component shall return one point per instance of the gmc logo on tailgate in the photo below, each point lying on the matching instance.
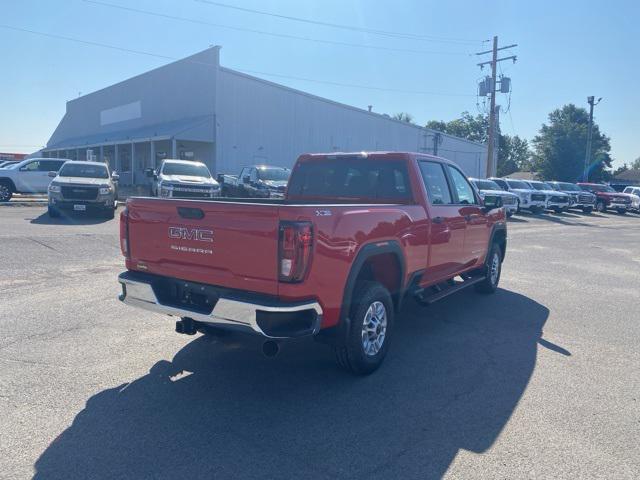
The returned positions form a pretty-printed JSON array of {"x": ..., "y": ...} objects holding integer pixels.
[{"x": 185, "y": 233}]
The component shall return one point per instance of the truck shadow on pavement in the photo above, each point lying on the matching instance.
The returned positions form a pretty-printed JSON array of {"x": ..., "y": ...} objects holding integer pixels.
[
  {"x": 66, "y": 218},
  {"x": 452, "y": 380}
]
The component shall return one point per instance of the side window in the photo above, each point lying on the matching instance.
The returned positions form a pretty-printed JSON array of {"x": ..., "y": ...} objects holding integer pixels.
[
  {"x": 435, "y": 180},
  {"x": 49, "y": 166},
  {"x": 243, "y": 173},
  {"x": 254, "y": 175},
  {"x": 462, "y": 188},
  {"x": 31, "y": 167}
]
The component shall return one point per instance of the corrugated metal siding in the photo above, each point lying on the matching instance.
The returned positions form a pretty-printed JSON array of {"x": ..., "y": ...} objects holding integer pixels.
[
  {"x": 174, "y": 92},
  {"x": 262, "y": 121}
]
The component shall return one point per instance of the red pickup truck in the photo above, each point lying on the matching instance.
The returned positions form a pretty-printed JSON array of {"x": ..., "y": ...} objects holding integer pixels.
[{"x": 335, "y": 259}]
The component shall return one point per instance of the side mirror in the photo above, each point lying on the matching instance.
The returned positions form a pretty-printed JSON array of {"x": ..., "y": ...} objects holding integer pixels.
[
  {"x": 115, "y": 177},
  {"x": 492, "y": 202},
  {"x": 246, "y": 179},
  {"x": 149, "y": 172},
  {"x": 220, "y": 178},
  {"x": 53, "y": 174}
]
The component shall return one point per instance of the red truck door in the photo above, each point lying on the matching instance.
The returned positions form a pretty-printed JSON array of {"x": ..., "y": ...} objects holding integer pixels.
[
  {"x": 476, "y": 236},
  {"x": 446, "y": 239}
]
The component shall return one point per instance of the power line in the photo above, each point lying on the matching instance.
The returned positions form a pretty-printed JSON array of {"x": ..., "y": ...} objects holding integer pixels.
[
  {"x": 350, "y": 85},
  {"x": 272, "y": 34},
  {"x": 167, "y": 57},
  {"x": 386, "y": 33},
  {"x": 86, "y": 42}
]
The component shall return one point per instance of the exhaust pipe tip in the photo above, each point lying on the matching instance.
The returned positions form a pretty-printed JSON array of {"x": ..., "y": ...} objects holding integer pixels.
[{"x": 270, "y": 348}]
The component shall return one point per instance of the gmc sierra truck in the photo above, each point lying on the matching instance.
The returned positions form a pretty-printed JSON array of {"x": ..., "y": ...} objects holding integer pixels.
[{"x": 354, "y": 236}]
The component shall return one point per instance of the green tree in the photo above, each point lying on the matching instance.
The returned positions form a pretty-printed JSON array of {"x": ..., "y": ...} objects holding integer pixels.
[
  {"x": 559, "y": 147},
  {"x": 620, "y": 170},
  {"x": 467, "y": 126},
  {"x": 513, "y": 152},
  {"x": 403, "y": 117},
  {"x": 635, "y": 165},
  {"x": 513, "y": 155}
]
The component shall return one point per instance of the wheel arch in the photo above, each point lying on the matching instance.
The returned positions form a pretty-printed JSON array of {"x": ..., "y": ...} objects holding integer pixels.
[
  {"x": 382, "y": 262},
  {"x": 499, "y": 236},
  {"x": 9, "y": 182}
]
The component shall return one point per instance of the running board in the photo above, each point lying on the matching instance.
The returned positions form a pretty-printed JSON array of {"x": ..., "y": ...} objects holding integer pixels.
[{"x": 437, "y": 292}]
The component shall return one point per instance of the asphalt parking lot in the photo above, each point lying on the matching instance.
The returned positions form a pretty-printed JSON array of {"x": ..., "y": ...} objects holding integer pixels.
[{"x": 541, "y": 380}]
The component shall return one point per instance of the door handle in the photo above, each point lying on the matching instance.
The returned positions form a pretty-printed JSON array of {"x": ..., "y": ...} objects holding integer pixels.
[{"x": 438, "y": 220}]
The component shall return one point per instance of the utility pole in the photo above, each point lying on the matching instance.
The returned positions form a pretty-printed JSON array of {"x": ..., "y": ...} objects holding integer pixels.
[
  {"x": 587, "y": 157},
  {"x": 491, "y": 150}
]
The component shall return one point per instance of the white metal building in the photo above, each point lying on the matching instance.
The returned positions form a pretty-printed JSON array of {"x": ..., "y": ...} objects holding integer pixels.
[{"x": 196, "y": 109}]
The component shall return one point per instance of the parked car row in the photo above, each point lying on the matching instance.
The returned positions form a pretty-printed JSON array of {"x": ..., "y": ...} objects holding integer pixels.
[
  {"x": 536, "y": 196},
  {"x": 189, "y": 179}
]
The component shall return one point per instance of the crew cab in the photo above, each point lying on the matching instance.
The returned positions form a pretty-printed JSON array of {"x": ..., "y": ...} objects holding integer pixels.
[
  {"x": 183, "y": 179},
  {"x": 28, "y": 176},
  {"x": 578, "y": 198},
  {"x": 528, "y": 197},
  {"x": 256, "y": 181},
  {"x": 489, "y": 187},
  {"x": 355, "y": 235},
  {"x": 556, "y": 201},
  {"x": 607, "y": 198}
]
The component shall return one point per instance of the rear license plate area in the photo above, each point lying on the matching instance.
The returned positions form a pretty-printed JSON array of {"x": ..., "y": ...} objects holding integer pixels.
[
  {"x": 187, "y": 295},
  {"x": 79, "y": 208}
]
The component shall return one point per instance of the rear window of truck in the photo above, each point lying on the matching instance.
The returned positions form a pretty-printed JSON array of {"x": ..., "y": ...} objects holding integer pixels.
[{"x": 350, "y": 179}]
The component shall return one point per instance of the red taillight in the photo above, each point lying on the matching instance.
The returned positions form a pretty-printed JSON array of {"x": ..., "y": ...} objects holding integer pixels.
[
  {"x": 124, "y": 233},
  {"x": 294, "y": 249}
]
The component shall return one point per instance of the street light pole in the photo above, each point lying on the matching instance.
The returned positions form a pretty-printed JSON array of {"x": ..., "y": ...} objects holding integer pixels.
[{"x": 587, "y": 157}]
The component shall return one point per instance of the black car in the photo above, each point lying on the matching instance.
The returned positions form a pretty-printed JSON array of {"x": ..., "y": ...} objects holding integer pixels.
[{"x": 256, "y": 181}]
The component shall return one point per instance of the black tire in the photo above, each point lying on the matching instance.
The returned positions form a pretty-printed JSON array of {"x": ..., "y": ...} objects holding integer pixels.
[
  {"x": 491, "y": 281},
  {"x": 6, "y": 192},
  {"x": 518, "y": 206},
  {"x": 587, "y": 210},
  {"x": 509, "y": 214},
  {"x": 53, "y": 212},
  {"x": 110, "y": 213},
  {"x": 353, "y": 356},
  {"x": 537, "y": 210},
  {"x": 622, "y": 211},
  {"x": 557, "y": 210},
  {"x": 600, "y": 207}
]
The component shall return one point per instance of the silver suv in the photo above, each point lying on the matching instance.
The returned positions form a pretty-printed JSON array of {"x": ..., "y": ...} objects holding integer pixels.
[{"x": 83, "y": 186}]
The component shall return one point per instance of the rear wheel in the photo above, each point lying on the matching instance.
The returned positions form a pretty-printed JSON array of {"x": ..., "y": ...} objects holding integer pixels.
[
  {"x": 587, "y": 209},
  {"x": 600, "y": 207},
  {"x": 5, "y": 192},
  {"x": 622, "y": 211},
  {"x": 493, "y": 268},
  {"x": 371, "y": 324}
]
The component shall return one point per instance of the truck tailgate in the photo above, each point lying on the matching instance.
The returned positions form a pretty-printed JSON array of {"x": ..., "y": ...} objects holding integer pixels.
[{"x": 234, "y": 245}]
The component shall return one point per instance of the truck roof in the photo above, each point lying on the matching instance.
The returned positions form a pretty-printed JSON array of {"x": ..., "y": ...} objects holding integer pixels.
[
  {"x": 186, "y": 162},
  {"x": 373, "y": 155}
]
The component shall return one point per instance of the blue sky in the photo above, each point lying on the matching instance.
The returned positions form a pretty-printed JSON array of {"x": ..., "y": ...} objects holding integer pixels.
[{"x": 567, "y": 51}]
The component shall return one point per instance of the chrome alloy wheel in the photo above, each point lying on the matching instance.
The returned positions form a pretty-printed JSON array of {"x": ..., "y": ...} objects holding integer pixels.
[
  {"x": 374, "y": 328},
  {"x": 494, "y": 268},
  {"x": 5, "y": 193}
]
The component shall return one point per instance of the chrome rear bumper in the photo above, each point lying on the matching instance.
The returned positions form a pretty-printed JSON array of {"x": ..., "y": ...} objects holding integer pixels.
[{"x": 227, "y": 312}]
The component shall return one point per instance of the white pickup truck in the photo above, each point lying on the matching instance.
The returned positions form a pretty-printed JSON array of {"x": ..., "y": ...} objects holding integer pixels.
[{"x": 28, "y": 176}]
